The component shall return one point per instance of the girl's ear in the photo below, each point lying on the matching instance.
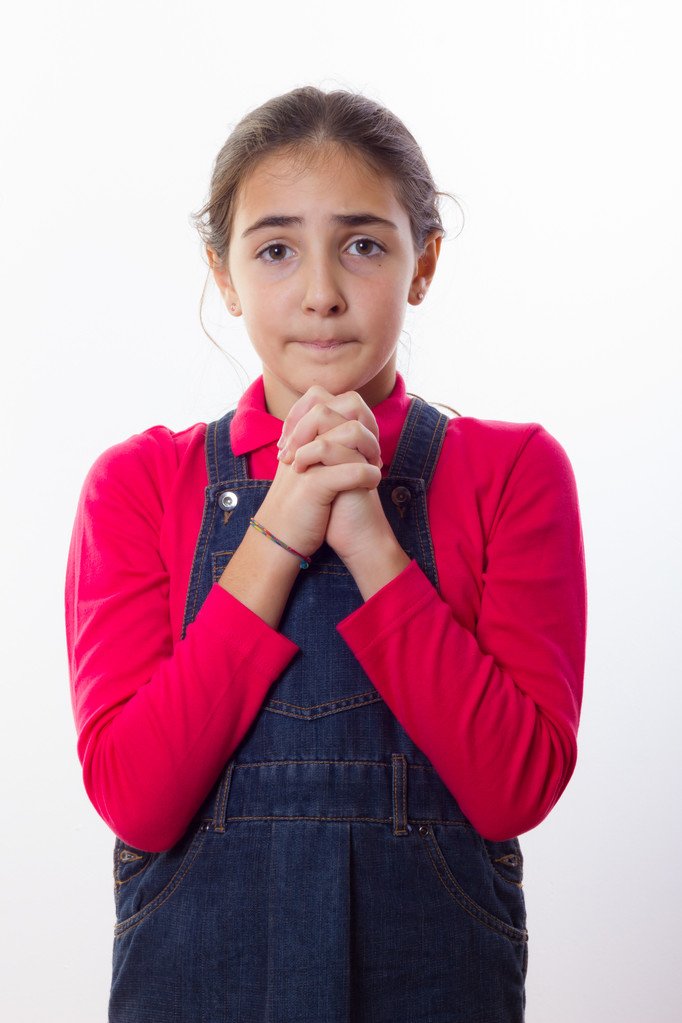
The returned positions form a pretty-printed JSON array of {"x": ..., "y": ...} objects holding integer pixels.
[
  {"x": 425, "y": 268},
  {"x": 222, "y": 278}
]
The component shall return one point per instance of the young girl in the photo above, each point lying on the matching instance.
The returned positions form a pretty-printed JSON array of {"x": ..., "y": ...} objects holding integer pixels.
[{"x": 326, "y": 653}]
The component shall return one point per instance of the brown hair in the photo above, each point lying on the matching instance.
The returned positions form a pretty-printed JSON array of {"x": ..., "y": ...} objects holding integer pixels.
[{"x": 304, "y": 122}]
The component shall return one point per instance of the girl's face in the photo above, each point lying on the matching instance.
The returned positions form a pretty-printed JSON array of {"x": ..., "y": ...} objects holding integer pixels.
[{"x": 321, "y": 265}]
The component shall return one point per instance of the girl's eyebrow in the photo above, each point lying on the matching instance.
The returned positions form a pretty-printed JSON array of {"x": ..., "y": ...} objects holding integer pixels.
[{"x": 347, "y": 219}]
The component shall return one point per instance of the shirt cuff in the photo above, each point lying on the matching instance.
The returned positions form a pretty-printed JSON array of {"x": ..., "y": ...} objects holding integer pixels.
[
  {"x": 242, "y": 628},
  {"x": 386, "y": 610}
]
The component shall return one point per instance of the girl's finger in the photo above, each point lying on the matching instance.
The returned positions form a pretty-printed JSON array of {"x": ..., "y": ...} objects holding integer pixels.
[
  {"x": 349, "y": 405},
  {"x": 322, "y": 418},
  {"x": 344, "y": 476},
  {"x": 347, "y": 432},
  {"x": 353, "y": 476},
  {"x": 348, "y": 442}
]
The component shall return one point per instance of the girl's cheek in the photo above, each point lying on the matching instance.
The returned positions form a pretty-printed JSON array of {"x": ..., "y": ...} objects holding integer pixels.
[
  {"x": 370, "y": 266},
  {"x": 268, "y": 272}
]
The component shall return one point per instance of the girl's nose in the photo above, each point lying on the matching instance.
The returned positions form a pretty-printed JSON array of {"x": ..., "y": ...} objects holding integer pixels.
[{"x": 323, "y": 293}]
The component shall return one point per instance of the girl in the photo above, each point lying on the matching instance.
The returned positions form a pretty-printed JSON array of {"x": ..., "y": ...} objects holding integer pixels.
[{"x": 326, "y": 652}]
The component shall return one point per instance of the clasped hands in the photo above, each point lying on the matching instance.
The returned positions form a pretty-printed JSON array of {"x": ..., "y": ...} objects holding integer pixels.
[{"x": 326, "y": 429}]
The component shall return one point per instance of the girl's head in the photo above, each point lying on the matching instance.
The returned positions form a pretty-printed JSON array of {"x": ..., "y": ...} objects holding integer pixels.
[{"x": 322, "y": 223}]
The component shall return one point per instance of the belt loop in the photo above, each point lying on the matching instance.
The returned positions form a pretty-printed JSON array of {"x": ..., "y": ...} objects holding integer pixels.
[
  {"x": 400, "y": 825},
  {"x": 220, "y": 811}
]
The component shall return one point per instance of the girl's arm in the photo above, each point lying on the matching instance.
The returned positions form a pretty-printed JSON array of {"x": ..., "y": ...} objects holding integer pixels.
[
  {"x": 490, "y": 690},
  {"x": 156, "y": 720},
  {"x": 494, "y": 705}
]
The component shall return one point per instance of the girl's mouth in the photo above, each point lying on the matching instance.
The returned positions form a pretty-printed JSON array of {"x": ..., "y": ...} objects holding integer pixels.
[{"x": 323, "y": 345}]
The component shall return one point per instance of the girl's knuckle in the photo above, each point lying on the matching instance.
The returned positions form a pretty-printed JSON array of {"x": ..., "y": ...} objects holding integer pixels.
[{"x": 358, "y": 473}]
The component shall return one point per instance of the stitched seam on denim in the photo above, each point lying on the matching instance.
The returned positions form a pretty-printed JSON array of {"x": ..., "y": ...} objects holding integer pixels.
[
  {"x": 437, "y": 438},
  {"x": 216, "y": 472},
  {"x": 369, "y": 820},
  {"x": 432, "y": 553},
  {"x": 200, "y": 569},
  {"x": 420, "y": 532},
  {"x": 414, "y": 422},
  {"x": 119, "y": 883},
  {"x": 443, "y": 820},
  {"x": 236, "y": 464},
  {"x": 464, "y": 900},
  {"x": 399, "y": 787},
  {"x": 444, "y": 421},
  {"x": 221, "y": 800},
  {"x": 507, "y": 880},
  {"x": 274, "y": 763},
  {"x": 415, "y": 411},
  {"x": 322, "y": 713},
  {"x": 395, "y": 794},
  {"x": 426, "y": 464},
  {"x": 239, "y": 484},
  {"x": 310, "y": 817},
  {"x": 166, "y": 892},
  {"x": 367, "y": 763},
  {"x": 489, "y": 921},
  {"x": 327, "y": 703},
  {"x": 494, "y": 861},
  {"x": 424, "y": 417},
  {"x": 435, "y": 445},
  {"x": 441, "y": 442},
  {"x": 188, "y": 598},
  {"x": 405, "y": 438},
  {"x": 429, "y": 539}
]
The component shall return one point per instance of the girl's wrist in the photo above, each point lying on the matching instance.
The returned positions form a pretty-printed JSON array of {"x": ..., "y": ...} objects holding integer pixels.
[
  {"x": 261, "y": 575},
  {"x": 377, "y": 565}
]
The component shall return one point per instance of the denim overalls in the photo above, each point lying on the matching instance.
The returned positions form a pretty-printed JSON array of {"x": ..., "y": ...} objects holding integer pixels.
[{"x": 330, "y": 876}]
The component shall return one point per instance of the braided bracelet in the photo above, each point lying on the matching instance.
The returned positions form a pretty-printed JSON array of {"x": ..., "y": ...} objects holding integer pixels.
[{"x": 304, "y": 562}]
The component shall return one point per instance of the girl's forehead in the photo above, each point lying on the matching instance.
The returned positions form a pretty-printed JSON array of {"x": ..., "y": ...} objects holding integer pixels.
[{"x": 332, "y": 174}]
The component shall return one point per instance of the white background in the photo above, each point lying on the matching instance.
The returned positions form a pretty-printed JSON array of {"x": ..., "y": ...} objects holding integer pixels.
[{"x": 556, "y": 123}]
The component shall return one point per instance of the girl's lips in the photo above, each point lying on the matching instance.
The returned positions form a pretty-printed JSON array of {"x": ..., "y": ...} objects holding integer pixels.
[{"x": 333, "y": 343}]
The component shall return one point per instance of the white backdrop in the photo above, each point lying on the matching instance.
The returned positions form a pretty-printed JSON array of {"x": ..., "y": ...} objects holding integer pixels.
[{"x": 556, "y": 123}]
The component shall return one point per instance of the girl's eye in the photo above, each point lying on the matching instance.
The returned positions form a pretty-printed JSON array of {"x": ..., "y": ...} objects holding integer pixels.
[
  {"x": 277, "y": 249},
  {"x": 364, "y": 247}
]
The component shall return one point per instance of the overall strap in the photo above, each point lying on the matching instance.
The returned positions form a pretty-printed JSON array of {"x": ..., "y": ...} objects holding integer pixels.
[
  {"x": 420, "y": 442},
  {"x": 221, "y": 464}
]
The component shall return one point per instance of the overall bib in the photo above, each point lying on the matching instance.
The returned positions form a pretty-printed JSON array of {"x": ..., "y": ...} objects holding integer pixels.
[{"x": 330, "y": 876}]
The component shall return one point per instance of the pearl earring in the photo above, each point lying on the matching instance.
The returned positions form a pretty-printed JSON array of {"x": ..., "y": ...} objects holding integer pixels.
[
  {"x": 233, "y": 308},
  {"x": 420, "y": 295}
]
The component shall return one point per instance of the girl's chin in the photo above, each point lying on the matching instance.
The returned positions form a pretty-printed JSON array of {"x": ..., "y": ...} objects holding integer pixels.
[{"x": 335, "y": 374}]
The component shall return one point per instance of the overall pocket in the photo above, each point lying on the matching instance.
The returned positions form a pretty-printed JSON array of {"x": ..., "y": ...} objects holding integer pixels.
[
  {"x": 144, "y": 881},
  {"x": 483, "y": 878}
]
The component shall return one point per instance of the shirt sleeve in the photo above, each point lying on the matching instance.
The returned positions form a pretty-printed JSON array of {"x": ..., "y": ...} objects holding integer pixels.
[
  {"x": 156, "y": 720},
  {"x": 495, "y": 710}
]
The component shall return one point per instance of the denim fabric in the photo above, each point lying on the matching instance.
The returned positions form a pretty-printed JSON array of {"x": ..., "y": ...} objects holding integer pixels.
[{"x": 330, "y": 875}]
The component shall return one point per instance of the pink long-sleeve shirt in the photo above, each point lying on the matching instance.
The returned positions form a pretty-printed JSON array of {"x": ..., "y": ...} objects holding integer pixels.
[{"x": 485, "y": 676}]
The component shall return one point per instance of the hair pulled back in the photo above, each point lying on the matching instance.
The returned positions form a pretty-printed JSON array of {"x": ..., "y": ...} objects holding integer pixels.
[{"x": 305, "y": 122}]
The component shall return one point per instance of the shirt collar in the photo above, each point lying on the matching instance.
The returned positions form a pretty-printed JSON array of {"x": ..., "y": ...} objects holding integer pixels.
[{"x": 254, "y": 427}]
